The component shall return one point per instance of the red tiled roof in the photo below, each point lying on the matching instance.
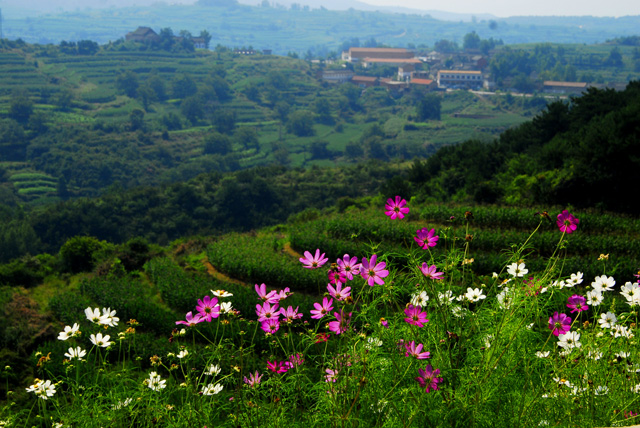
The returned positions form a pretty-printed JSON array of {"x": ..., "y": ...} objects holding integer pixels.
[
  {"x": 422, "y": 81},
  {"x": 394, "y": 60},
  {"x": 364, "y": 79}
]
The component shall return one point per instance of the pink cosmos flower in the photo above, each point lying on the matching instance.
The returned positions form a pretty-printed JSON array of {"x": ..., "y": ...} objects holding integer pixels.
[
  {"x": 372, "y": 272},
  {"x": 208, "y": 308},
  {"x": 191, "y": 319},
  {"x": 321, "y": 310},
  {"x": 425, "y": 238},
  {"x": 567, "y": 222},
  {"x": 338, "y": 292},
  {"x": 266, "y": 311},
  {"x": 427, "y": 378},
  {"x": 296, "y": 360},
  {"x": 384, "y": 323},
  {"x": 270, "y": 326},
  {"x": 322, "y": 337},
  {"x": 271, "y": 297},
  {"x": 431, "y": 271},
  {"x": 349, "y": 266},
  {"x": 577, "y": 303},
  {"x": 341, "y": 324},
  {"x": 415, "y": 316},
  {"x": 279, "y": 367},
  {"x": 283, "y": 294},
  {"x": 337, "y": 277},
  {"x": 330, "y": 375},
  {"x": 396, "y": 209},
  {"x": 414, "y": 350},
  {"x": 290, "y": 314},
  {"x": 559, "y": 324},
  {"x": 254, "y": 379},
  {"x": 313, "y": 262}
]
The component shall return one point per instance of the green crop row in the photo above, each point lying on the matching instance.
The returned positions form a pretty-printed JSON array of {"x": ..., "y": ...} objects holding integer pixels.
[
  {"x": 35, "y": 190},
  {"x": 131, "y": 299},
  {"x": 260, "y": 260},
  {"x": 31, "y": 176},
  {"x": 39, "y": 183}
]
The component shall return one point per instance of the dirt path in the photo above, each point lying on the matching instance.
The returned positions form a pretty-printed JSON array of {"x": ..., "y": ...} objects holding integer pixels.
[
  {"x": 211, "y": 270},
  {"x": 287, "y": 249}
]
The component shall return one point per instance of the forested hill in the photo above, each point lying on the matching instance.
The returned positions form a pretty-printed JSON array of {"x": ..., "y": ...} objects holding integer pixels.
[{"x": 585, "y": 152}]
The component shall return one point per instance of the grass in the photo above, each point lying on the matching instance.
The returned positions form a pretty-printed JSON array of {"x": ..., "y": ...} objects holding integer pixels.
[{"x": 486, "y": 357}]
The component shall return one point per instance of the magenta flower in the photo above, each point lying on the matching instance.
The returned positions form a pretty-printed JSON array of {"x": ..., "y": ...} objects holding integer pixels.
[
  {"x": 415, "y": 316},
  {"x": 372, "y": 272},
  {"x": 321, "y": 310},
  {"x": 208, "y": 308},
  {"x": 338, "y": 292},
  {"x": 337, "y": 277},
  {"x": 290, "y": 314},
  {"x": 431, "y": 271},
  {"x": 266, "y": 311},
  {"x": 283, "y": 294},
  {"x": 577, "y": 303},
  {"x": 270, "y": 326},
  {"x": 567, "y": 222},
  {"x": 427, "y": 378},
  {"x": 330, "y": 375},
  {"x": 313, "y": 262},
  {"x": 279, "y": 367},
  {"x": 191, "y": 319},
  {"x": 296, "y": 360},
  {"x": 426, "y": 238},
  {"x": 341, "y": 324},
  {"x": 414, "y": 350},
  {"x": 254, "y": 379},
  {"x": 349, "y": 266},
  {"x": 396, "y": 209},
  {"x": 271, "y": 297},
  {"x": 559, "y": 324},
  {"x": 384, "y": 323}
]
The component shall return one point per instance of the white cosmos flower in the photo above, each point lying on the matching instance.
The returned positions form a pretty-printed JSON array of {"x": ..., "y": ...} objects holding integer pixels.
[
  {"x": 100, "y": 340},
  {"x": 446, "y": 297},
  {"x": 541, "y": 354},
  {"x": 419, "y": 299},
  {"x": 474, "y": 295},
  {"x": 94, "y": 315},
  {"x": 225, "y": 308},
  {"x": 42, "y": 389},
  {"x": 631, "y": 292},
  {"x": 109, "y": 317},
  {"x": 569, "y": 340},
  {"x": 221, "y": 293},
  {"x": 212, "y": 370},
  {"x": 594, "y": 297},
  {"x": 155, "y": 382},
  {"x": 76, "y": 352},
  {"x": 621, "y": 331},
  {"x": 211, "y": 389},
  {"x": 562, "y": 381},
  {"x": 121, "y": 404},
  {"x": 373, "y": 342},
  {"x": 594, "y": 355},
  {"x": 69, "y": 332},
  {"x": 182, "y": 353},
  {"x": 607, "y": 320},
  {"x": 517, "y": 270},
  {"x": 602, "y": 390},
  {"x": 504, "y": 298},
  {"x": 576, "y": 278},
  {"x": 603, "y": 283}
]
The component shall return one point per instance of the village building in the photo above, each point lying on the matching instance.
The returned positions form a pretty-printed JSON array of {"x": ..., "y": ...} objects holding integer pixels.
[
  {"x": 364, "y": 81},
  {"x": 459, "y": 79},
  {"x": 555, "y": 87},
  {"x": 360, "y": 54},
  {"x": 199, "y": 42},
  {"x": 336, "y": 76},
  {"x": 143, "y": 35},
  {"x": 424, "y": 84}
]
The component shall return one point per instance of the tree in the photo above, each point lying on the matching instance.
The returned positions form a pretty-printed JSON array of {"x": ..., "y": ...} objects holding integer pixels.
[
  {"x": 204, "y": 34},
  {"x": 127, "y": 82},
  {"x": 217, "y": 143},
  {"x": 191, "y": 108},
  {"x": 136, "y": 119},
  {"x": 493, "y": 25},
  {"x": 614, "y": 58},
  {"x": 471, "y": 41},
  {"x": 184, "y": 87},
  {"x": 87, "y": 47},
  {"x": 21, "y": 107},
  {"x": 301, "y": 123},
  {"x": 247, "y": 137},
  {"x": 445, "y": 46},
  {"x": 429, "y": 108}
]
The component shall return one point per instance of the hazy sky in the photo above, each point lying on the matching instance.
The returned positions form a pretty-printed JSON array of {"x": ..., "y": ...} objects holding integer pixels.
[{"x": 504, "y": 8}]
